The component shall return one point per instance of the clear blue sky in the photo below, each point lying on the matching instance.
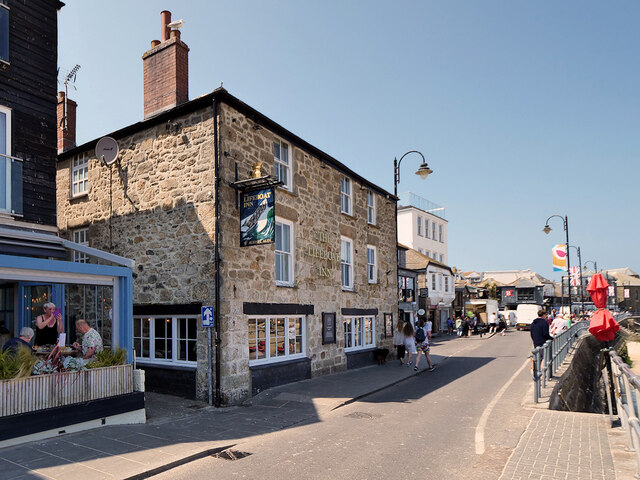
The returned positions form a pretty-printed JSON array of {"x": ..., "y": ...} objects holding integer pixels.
[{"x": 523, "y": 109}]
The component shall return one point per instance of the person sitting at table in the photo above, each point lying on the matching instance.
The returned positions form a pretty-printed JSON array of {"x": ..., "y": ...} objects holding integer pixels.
[
  {"x": 48, "y": 326},
  {"x": 91, "y": 340},
  {"x": 13, "y": 345}
]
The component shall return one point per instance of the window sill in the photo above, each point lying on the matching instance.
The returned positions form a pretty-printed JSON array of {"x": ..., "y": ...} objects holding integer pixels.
[
  {"x": 366, "y": 348},
  {"x": 253, "y": 364},
  {"x": 78, "y": 197},
  {"x": 285, "y": 285},
  {"x": 351, "y": 289},
  {"x": 145, "y": 362},
  {"x": 346, "y": 214}
]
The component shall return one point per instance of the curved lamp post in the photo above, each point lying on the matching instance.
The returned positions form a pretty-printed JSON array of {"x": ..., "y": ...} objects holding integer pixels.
[
  {"x": 595, "y": 265},
  {"x": 423, "y": 172},
  {"x": 547, "y": 229}
]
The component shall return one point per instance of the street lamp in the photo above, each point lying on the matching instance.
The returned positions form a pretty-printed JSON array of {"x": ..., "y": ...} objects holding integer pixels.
[
  {"x": 423, "y": 172},
  {"x": 595, "y": 265},
  {"x": 546, "y": 230},
  {"x": 581, "y": 284}
]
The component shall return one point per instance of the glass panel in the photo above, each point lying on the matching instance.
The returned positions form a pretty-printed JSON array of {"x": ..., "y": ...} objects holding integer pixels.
[
  {"x": 284, "y": 157},
  {"x": 145, "y": 348},
  {"x": 278, "y": 236},
  {"x": 182, "y": 328},
  {"x": 137, "y": 329},
  {"x": 357, "y": 331},
  {"x": 347, "y": 333},
  {"x": 182, "y": 350},
  {"x": 192, "y": 330},
  {"x": 192, "y": 354},
  {"x": 368, "y": 329},
  {"x": 276, "y": 150},
  {"x": 136, "y": 346},
  {"x": 253, "y": 339},
  {"x": 4, "y": 34}
]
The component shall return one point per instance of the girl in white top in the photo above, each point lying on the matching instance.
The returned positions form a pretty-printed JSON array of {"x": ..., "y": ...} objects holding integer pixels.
[
  {"x": 398, "y": 340},
  {"x": 409, "y": 341}
]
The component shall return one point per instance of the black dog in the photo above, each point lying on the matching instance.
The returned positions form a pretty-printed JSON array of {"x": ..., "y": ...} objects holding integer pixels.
[{"x": 381, "y": 354}]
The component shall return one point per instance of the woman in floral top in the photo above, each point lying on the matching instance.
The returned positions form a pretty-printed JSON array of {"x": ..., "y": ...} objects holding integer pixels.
[{"x": 91, "y": 340}]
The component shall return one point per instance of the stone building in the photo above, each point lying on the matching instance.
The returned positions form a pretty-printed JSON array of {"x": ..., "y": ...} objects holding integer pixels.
[{"x": 309, "y": 304}]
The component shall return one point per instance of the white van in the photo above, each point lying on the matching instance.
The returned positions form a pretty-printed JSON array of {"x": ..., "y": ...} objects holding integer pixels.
[
  {"x": 509, "y": 317},
  {"x": 525, "y": 314}
]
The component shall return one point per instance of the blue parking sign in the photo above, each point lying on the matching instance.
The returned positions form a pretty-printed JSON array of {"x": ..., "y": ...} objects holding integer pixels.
[{"x": 207, "y": 316}]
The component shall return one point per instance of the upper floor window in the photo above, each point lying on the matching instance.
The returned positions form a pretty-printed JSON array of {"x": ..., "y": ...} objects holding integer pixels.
[
  {"x": 79, "y": 175},
  {"x": 446, "y": 284},
  {"x": 282, "y": 164},
  {"x": 372, "y": 266},
  {"x": 276, "y": 338},
  {"x": 405, "y": 289},
  {"x": 4, "y": 33},
  {"x": 81, "y": 236},
  {"x": 284, "y": 253},
  {"x": 346, "y": 263},
  {"x": 10, "y": 168},
  {"x": 433, "y": 282},
  {"x": 426, "y": 228},
  {"x": 345, "y": 196},
  {"x": 441, "y": 258},
  {"x": 164, "y": 339},
  {"x": 371, "y": 208},
  {"x": 419, "y": 225},
  {"x": 427, "y": 253},
  {"x": 441, "y": 235},
  {"x": 433, "y": 230}
]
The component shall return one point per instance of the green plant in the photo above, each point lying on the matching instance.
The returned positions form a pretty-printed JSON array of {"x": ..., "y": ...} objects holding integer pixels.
[
  {"x": 108, "y": 358},
  {"x": 624, "y": 354},
  {"x": 16, "y": 364}
]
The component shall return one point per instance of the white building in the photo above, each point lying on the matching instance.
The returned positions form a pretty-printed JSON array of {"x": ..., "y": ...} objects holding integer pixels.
[{"x": 422, "y": 227}]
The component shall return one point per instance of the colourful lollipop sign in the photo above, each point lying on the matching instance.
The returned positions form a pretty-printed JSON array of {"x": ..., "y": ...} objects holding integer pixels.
[{"x": 559, "y": 253}]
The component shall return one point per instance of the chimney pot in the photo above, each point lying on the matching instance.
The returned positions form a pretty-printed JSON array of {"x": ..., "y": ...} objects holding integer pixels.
[
  {"x": 175, "y": 34},
  {"x": 155, "y": 43},
  {"x": 165, "y": 20}
]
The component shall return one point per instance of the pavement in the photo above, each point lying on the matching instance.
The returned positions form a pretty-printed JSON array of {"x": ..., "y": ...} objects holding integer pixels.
[{"x": 555, "y": 445}]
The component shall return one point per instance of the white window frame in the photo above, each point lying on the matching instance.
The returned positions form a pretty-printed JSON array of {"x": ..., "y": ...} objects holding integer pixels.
[
  {"x": 433, "y": 282},
  {"x": 446, "y": 284},
  {"x": 427, "y": 253},
  {"x": 372, "y": 267},
  {"x": 371, "y": 207},
  {"x": 356, "y": 332},
  {"x": 426, "y": 228},
  {"x": 441, "y": 236},
  {"x": 81, "y": 236},
  {"x": 433, "y": 225},
  {"x": 267, "y": 338},
  {"x": 290, "y": 282},
  {"x": 346, "y": 247},
  {"x": 419, "y": 225},
  {"x": 7, "y": 161},
  {"x": 174, "y": 320},
  {"x": 79, "y": 175},
  {"x": 346, "y": 199},
  {"x": 283, "y": 165},
  {"x": 441, "y": 258}
]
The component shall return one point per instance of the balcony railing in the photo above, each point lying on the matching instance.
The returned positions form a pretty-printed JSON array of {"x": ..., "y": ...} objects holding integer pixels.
[
  {"x": 409, "y": 199},
  {"x": 11, "y": 184}
]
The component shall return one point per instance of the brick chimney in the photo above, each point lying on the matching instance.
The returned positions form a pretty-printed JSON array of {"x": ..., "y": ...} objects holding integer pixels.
[
  {"x": 166, "y": 70},
  {"x": 66, "y": 123}
]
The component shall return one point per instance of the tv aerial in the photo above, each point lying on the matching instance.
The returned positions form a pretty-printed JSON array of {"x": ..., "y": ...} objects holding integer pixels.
[{"x": 107, "y": 150}]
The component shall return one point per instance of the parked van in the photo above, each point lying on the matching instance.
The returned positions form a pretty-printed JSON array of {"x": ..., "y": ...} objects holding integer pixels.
[
  {"x": 509, "y": 317},
  {"x": 525, "y": 314}
]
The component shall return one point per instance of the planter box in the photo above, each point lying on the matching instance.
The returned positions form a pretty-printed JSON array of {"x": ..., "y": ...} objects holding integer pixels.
[{"x": 40, "y": 392}]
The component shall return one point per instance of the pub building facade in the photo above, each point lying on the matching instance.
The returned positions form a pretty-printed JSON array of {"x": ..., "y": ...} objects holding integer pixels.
[{"x": 220, "y": 206}]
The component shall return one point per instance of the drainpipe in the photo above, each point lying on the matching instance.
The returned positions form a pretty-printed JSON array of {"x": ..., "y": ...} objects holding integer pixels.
[{"x": 216, "y": 312}]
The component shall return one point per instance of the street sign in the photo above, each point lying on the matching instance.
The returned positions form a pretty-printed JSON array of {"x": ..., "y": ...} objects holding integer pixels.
[{"x": 207, "y": 316}]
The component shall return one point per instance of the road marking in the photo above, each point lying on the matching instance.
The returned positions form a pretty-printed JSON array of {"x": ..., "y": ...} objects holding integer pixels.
[{"x": 487, "y": 411}]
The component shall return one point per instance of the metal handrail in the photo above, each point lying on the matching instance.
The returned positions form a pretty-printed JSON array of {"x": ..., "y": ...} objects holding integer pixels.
[
  {"x": 17, "y": 159},
  {"x": 548, "y": 357},
  {"x": 627, "y": 395}
]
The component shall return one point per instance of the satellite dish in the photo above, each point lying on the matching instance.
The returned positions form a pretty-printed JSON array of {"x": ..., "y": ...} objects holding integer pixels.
[
  {"x": 107, "y": 150},
  {"x": 421, "y": 312}
]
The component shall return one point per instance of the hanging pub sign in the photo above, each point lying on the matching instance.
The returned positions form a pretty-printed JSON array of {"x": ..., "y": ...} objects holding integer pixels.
[{"x": 257, "y": 217}]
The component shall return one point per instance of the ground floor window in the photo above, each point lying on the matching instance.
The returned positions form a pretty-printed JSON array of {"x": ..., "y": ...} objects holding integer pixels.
[
  {"x": 359, "y": 332},
  {"x": 276, "y": 338},
  {"x": 166, "y": 339}
]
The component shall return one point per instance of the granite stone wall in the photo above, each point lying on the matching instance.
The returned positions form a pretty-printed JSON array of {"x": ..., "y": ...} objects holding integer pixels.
[{"x": 156, "y": 206}]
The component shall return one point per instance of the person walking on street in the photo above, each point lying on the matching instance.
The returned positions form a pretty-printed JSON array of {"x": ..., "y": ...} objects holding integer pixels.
[
  {"x": 409, "y": 341},
  {"x": 398, "y": 340},
  {"x": 449, "y": 326},
  {"x": 493, "y": 323},
  {"x": 422, "y": 344},
  {"x": 540, "y": 329},
  {"x": 459, "y": 326}
]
